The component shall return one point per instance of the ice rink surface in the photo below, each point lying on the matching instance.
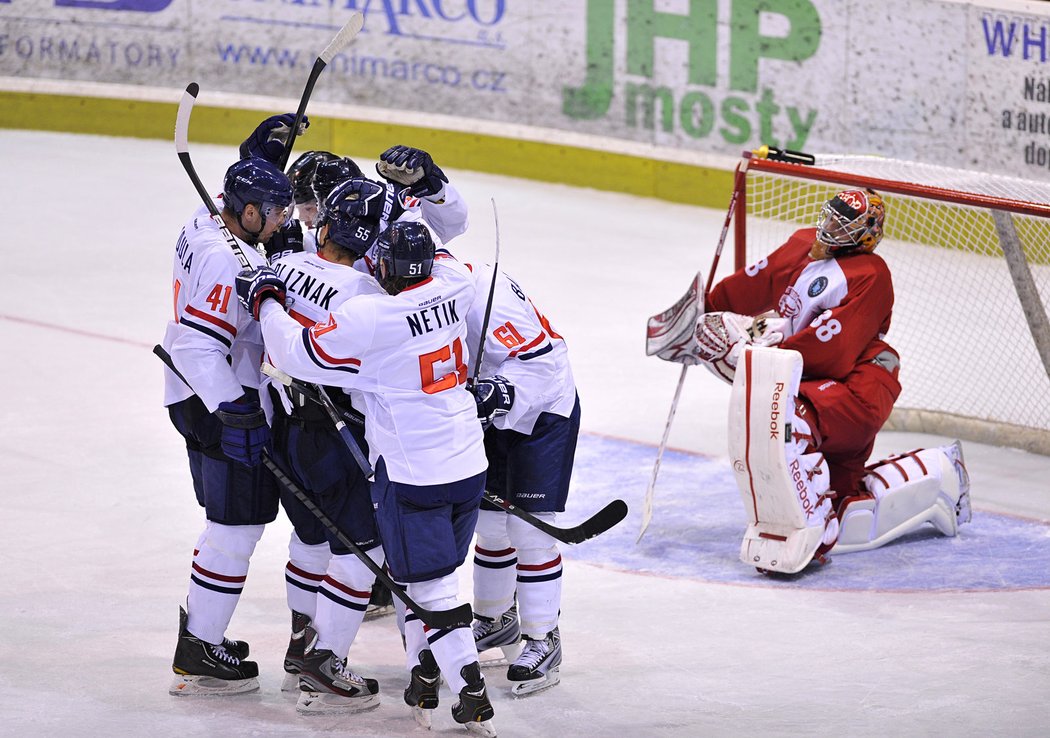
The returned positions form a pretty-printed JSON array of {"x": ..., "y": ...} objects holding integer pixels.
[{"x": 672, "y": 637}]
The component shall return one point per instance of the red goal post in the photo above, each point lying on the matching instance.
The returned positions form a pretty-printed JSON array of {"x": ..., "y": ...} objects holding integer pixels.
[{"x": 970, "y": 258}]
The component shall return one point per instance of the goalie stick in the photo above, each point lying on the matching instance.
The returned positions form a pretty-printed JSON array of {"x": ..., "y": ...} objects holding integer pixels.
[
  {"x": 459, "y": 617},
  {"x": 341, "y": 40},
  {"x": 595, "y": 525}
]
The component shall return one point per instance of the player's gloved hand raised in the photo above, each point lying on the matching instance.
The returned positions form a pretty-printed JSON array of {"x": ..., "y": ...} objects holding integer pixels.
[
  {"x": 254, "y": 286},
  {"x": 414, "y": 168},
  {"x": 494, "y": 397},
  {"x": 245, "y": 434},
  {"x": 269, "y": 140},
  {"x": 287, "y": 240}
]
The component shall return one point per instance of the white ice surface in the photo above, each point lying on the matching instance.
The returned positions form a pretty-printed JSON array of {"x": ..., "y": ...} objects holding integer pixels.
[{"x": 97, "y": 521}]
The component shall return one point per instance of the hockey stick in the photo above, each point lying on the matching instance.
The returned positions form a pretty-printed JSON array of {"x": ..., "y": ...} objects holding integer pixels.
[
  {"x": 346, "y": 34},
  {"x": 488, "y": 305},
  {"x": 459, "y": 617},
  {"x": 307, "y": 391},
  {"x": 650, "y": 492},
  {"x": 595, "y": 525},
  {"x": 182, "y": 148}
]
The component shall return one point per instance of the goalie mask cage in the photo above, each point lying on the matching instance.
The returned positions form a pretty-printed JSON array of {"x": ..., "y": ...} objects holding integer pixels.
[{"x": 970, "y": 259}]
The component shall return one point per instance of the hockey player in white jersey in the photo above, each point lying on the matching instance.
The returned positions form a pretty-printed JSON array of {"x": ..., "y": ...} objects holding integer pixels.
[
  {"x": 405, "y": 354},
  {"x": 532, "y": 414},
  {"x": 328, "y": 587},
  {"x": 217, "y": 347}
]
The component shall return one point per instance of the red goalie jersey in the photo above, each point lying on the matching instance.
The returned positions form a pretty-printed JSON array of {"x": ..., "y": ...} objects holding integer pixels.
[{"x": 836, "y": 312}]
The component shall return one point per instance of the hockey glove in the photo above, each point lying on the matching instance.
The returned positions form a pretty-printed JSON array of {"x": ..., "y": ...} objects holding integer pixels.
[
  {"x": 245, "y": 434},
  {"x": 288, "y": 240},
  {"x": 768, "y": 329},
  {"x": 269, "y": 140},
  {"x": 254, "y": 286},
  {"x": 356, "y": 198},
  {"x": 494, "y": 397},
  {"x": 415, "y": 169}
]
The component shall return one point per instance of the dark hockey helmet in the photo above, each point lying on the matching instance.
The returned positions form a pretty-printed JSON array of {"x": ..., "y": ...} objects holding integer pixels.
[
  {"x": 259, "y": 182},
  {"x": 851, "y": 221},
  {"x": 352, "y": 212},
  {"x": 331, "y": 173},
  {"x": 405, "y": 250},
  {"x": 301, "y": 173}
]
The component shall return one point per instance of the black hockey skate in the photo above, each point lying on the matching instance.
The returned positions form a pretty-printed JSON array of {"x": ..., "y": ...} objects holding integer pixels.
[
  {"x": 538, "y": 667},
  {"x": 380, "y": 603},
  {"x": 327, "y": 685},
  {"x": 503, "y": 633},
  {"x": 474, "y": 711},
  {"x": 421, "y": 694},
  {"x": 203, "y": 668},
  {"x": 293, "y": 657}
]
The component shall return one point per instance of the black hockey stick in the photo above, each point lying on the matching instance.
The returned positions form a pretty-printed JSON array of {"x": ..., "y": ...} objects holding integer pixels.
[
  {"x": 595, "y": 525},
  {"x": 488, "y": 305},
  {"x": 307, "y": 391},
  {"x": 346, "y": 34},
  {"x": 459, "y": 617}
]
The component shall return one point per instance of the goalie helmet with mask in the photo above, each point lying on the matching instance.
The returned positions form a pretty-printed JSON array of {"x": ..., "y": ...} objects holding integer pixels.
[
  {"x": 257, "y": 182},
  {"x": 850, "y": 222},
  {"x": 404, "y": 255}
]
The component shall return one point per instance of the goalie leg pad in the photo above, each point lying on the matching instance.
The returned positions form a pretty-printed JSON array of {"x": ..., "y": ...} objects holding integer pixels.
[
  {"x": 783, "y": 488},
  {"x": 907, "y": 491}
]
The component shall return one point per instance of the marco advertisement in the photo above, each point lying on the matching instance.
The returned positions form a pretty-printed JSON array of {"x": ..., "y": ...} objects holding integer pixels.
[{"x": 962, "y": 84}]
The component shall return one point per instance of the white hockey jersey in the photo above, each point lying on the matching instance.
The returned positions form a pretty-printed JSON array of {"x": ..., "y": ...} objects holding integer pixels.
[
  {"x": 521, "y": 345},
  {"x": 446, "y": 220},
  {"x": 212, "y": 339},
  {"x": 407, "y": 356}
]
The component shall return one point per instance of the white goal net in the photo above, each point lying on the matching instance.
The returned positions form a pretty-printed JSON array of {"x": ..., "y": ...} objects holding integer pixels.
[{"x": 970, "y": 258}]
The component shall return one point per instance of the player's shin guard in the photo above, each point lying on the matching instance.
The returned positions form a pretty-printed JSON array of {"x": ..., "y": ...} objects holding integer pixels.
[
  {"x": 303, "y": 574},
  {"x": 783, "y": 488},
  {"x": 539, "y": 576},
  {"x": 453, "y": 648},
  {"x": 220, "y": 569},
  {"x": 907, "y": 491},
  {"x": 342, "y": 599},
  {"x": 495, "y": 560}
]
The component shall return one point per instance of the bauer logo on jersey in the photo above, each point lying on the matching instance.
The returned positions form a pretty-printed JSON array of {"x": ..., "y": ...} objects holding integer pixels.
[{"x": 817, "y": 286}]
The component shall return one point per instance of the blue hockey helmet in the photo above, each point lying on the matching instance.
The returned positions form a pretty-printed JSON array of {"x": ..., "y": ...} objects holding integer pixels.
[
  {"x": 331, "y": 173},
  {"x": 259, "y": 182},
  {"x": 301, "y": 172},
  {"x": 352, "y": 212},
  {"x": 405, "y": 251}
]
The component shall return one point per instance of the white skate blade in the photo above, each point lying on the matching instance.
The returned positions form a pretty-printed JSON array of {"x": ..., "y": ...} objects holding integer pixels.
[
  {"x": 290, "y": 683},
  {"x": 326, "y": 703},
  {"x": 206, "y": 686},
  {"x": 510, "y": 653},
  {"x": 532, "y": 686},
  {"x": 425, "y": 718},
  {"x": 485, "y": 728}
]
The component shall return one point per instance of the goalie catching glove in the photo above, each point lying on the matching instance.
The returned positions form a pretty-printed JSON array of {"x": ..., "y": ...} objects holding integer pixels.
[
  {"x": 494, "y": 397},
  {"x": 415, "y": 169}
]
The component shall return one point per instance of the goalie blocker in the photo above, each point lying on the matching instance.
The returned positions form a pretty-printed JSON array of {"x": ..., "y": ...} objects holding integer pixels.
[{"x": 783, "y": 481}]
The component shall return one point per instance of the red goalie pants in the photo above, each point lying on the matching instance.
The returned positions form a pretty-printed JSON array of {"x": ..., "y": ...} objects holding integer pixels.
[{"x": 848, "y": 415}]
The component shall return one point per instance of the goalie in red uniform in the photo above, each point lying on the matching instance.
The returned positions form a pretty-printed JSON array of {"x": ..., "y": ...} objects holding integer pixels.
[{"x": 801, "y": 336}]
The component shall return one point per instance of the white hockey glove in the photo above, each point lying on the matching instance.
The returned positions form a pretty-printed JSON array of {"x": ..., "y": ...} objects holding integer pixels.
[
  {"x": 720, "y": 339},
  {"x": 768, "y": 329}
]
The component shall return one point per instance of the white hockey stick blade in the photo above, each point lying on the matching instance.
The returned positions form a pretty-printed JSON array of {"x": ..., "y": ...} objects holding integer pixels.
[
  {"x": 182, "y": 119},
  {"x": 276, "y": 374},
  {"x": 348, "y": 33},
  {"x": 647, "y": 510}
]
